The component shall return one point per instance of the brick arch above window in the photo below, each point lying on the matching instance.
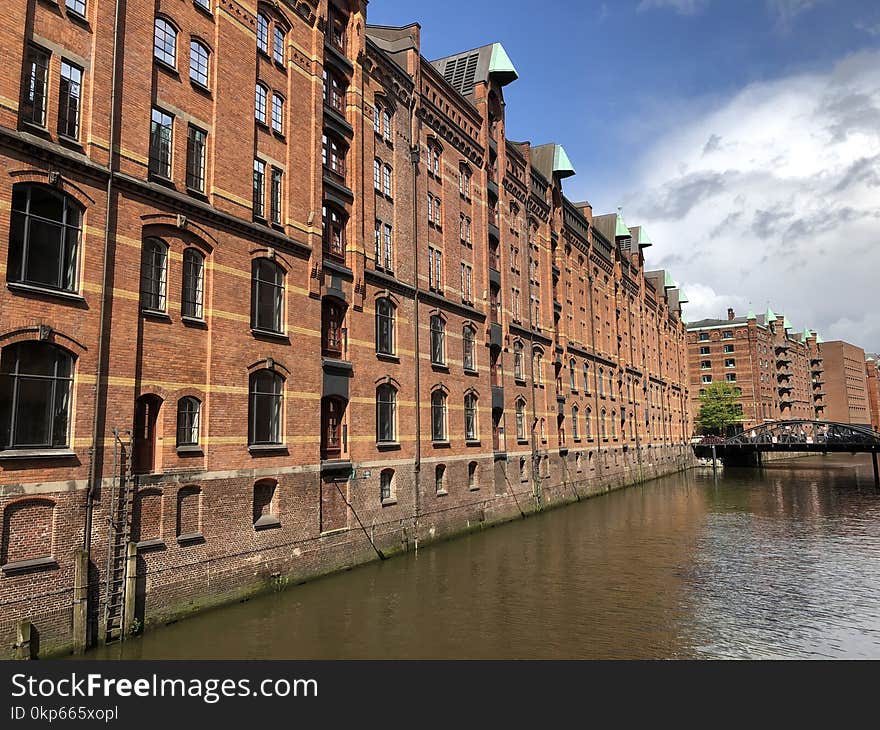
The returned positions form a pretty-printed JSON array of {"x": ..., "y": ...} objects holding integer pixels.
[
  {"x": 283, "y": 262},
  {"x": 43, "y": 332},
  {"x": 269, "y": 363},
  {"x": 169, "y": 228},
  {"x": 60, "y": 184}
]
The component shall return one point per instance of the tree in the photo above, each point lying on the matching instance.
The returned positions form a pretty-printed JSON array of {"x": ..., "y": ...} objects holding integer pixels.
[{"x": 719, "y": 408}]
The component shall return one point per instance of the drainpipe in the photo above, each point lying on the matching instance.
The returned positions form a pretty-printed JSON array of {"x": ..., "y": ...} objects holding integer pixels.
[
  {"x": 535, "y": 421},
  {"x": 99, "y": 370},
  {"x": 596, "y": 410},
  {"x": 414, "y": 159}
]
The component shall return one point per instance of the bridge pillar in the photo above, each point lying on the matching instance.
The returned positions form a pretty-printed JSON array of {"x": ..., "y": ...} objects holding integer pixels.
[{"x": 876, "y": 473}]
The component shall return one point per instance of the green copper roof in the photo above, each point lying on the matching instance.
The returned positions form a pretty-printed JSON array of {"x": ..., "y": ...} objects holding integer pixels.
[
  {"x": 669, "y": 283},
  {"x": 561, "y": 164},
  {"x": 771, "y": 315},
  {"x": 682, "y": 297},
  {"x": 807, "y": 334},
  {"x": 501, "y": 64},
  {"x": 622, "y": 231},
  {"x": 819, "y": 339},
  {"x": 644, "y": 238},
  {"x": 785, "y": 323},
  {"x": 751, "y": 315}
]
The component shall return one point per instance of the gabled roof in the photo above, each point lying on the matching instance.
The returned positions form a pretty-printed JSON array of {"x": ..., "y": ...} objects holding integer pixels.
[{"x": 464, "y": 70}]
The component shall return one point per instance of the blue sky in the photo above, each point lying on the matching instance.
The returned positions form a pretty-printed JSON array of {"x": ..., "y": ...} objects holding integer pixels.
[{"x": 723, "y": 125}]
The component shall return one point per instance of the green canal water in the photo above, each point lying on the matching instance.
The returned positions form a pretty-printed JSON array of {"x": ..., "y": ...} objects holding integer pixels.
[{"x": 778, "y": 563}]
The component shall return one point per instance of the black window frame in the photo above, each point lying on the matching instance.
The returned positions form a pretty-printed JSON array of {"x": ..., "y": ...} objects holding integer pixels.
[
  {"x": 154, "y": 270},
  {"x": 161, "y": 53},
  {"x": 188, "y": 430},
  {"x": 196, "y": 158},
  {"x": 193, "y": 286},
  {"x": 385, "y": 318},
  {"x": 386, "y": 414},
  {"x": 161, "y": 158},
  {"x": 273, "y": 394},
  {"x": 439, "y": 416},
  {"x": 36, "y": 85},
  {"x": 275, "y": 194},
  {"x": 275, "y": 323},
  {"x": 438, "y": 340},
  {"x": 69, "y": 100}
]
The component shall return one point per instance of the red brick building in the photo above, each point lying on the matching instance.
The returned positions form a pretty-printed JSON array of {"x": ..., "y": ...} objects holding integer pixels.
[
  {"x": 846, "y": 382},
  {"x": 279, "y": 330},
  {"x": 872, "y": 380},
  {"x": 778, "y": 372}
]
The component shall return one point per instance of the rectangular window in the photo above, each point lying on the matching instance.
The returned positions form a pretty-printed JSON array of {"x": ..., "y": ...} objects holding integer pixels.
[
  {"x": 378, "y": 242},
  {"x": 161, "y": 129},
  {"x": 79, "y": 6},
  {"x": 730, "y": 377},
  {"x": 437, "y": 212},
  {"x": 276, "y": 196},
  {"x": 727, "y": 335},
  {"x": 277, "y": 113},
  {"x": 435, "y": 269},
  {"x": 278, "y": 45},
  {"x": 260, "y": 103},
  {"x": 259, "y": 189},
  {"x": 377, "y": 175},
  {"x": 195, "y": 159},
  {"x": 386, "y": 124},
  {"x": 728, "y": 349},
  {"x": 430, "y": 208},
  {"x": 466, "y": 282},
  {"x": 377, "y": 119},
  {"x": 704, "y": 350},
  {"x": 386, "y": 181},
  {"x": 730, "y": 363},
  {"x": 69, "y": 95},
  {"x": 704, "y": 336},
  {"x": 34, "y": 106},
  {"x": 387, "y": 261},
  {"x": 707, "y": 379}
]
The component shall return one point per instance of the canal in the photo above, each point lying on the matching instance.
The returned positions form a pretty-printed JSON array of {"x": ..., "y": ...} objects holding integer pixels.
[{"x": 784, "y": 562}]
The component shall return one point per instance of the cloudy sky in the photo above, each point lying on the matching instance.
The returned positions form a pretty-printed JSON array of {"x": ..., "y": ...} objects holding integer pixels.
[{"x": 745, "y": 136}]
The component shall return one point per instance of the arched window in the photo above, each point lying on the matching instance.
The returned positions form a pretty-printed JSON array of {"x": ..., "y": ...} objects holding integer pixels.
[
  {"x": 518, "y": 361},
  {"x": 601, "y": 381},
  {"x": 588, "y": 425},
  {"x": 434, "y": 153},
  {"x": 146, "y": 427},
  {"x": 572, "y": 374},
  {"x": 154, "y": 274},
  {"x": 438, "y": 340},
  {"x": 266, "y": 401},
  {"x": 278, "y": 44},
  {"x": 386, "y": 485},
  {"x": 575, "y": 423},
  {"x": 520, "y": 419},
  {"x": 198, "y": 62},
  {"x": 473, "y": 479},
  {"x": 334, "y": 232},
  {"x": 263, "y": 33},
  {"x": 384, "y": 327},
  {"x": 468, "y": 348},
  {"x": 44, "y": 236},
  {"x": 611, "y": 382},
  {"x": 603, "y": 426},
  {"x": 192, "y": 297},
  {"x": 538, "y": 365},
  {"x": 27, "y": 530},
  {"x": 260, "y": 103},
  {"x": 188, "y": 410},
  {"x": 586, "y": 378},
  {"x": 438, "y": 416},
  {"x": 464, "y": 181},
  {"x": 386, "y": 413},
  {"x": 332, "y": 316},
  {"x": 471, "y": 430},
  {"x": 614, "y": 424},
  {"x": 165, "y": 42},
  {"x": 278, "y": 113},
  {"x": 267, "y": 296},
  {"x": 440, "y": 479},
  {"x": 35, "y": 387}
]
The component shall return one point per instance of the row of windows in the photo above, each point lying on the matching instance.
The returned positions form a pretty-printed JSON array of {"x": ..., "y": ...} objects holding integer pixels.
[
  {"x": 729, "y": 377},
  {"x": 439, "y": 417},
  {"x": 382, "y": 178},
  {"x": 262, "y": 114},
  {"x": 165, "y": 50},
  {"x": 725, "y": 335},
  {"x": 36, "y": 92},
  {"x": 706, "y": 350}
]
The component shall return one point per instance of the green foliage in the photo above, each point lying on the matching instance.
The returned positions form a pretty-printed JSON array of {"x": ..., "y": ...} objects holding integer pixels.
[{"x": 719, "y": 408}]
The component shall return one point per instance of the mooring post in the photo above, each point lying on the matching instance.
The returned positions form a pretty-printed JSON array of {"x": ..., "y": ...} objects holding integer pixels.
[
  {"x": 876, "y": 473},
  {"x": 80, "y": 601}
]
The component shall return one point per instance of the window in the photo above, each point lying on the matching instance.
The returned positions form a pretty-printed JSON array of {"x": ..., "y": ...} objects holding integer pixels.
[
  {"x": 277, "y": 113},
  {"x": 266, "y": 399},
  {"x": 603, "y": 432},
  {"x": 473, "y": 484},
  {"x": 386, "y": 125},
  {"x": 386, "y": 413},
  {"x": 267, "y": 295},
  {"x": 377, "y": 175},
  {"x": 261, "y": 95},
  {"x": 377, "y": 118},
  {"x": 191, "y": 300},
  {"x": 464, "y": 182},
  {"x": 188, "y": 421},
  {"x": 468, "y": 348},
  {"x": 572, "y": 374},
  {"x": 198, "y": 62},
  {"x": 332, "y": 428},
  {"x": 523, "y": 473},
  {"x": 440, "y": 479},
  {"x": 438, "y": 340},
  {"x": 588, "y": 426},
  {"x": 730, "y": 362},
  {"x": 575, "y": 415},
  {"x": 278, "y": 44},
  {"x": 386, "y": 485},
  {"x": 728, "y": 349},
  {"x": 333, "y": 315},
  {"x": 334, "y": 92},
  {"x": 387, "y": 261},
  {"x": 518, "y": 361},
  {"x": 727, "y": 335},
  {"x": 386, "y": 180},
  {"x": 470, "y": 417},
  {"x": 266, "y": 505},
  {"x": 44, "y": 238},
  {"x": 336, "y": 25},
  {"x": 79, "y": 6},
  {"x": 333, "y": 154},
  {"x": 35, "y": 388},
  {"x": 334, "y": 232},
  {"x": 263, "y": 33},
  {"x": 384, "y": 327},
  {"x": 586, "y": 378},
  {"x": 467, "y": 275},
  {"x": 195, "y": 159},
  {"x": 465, "y": 231},
  {"x": 161, "y": 129},
  {"x": 435, "y": 269},
  {"x": 434, "y": 160},
  {"x": 154, "y": 274},
  {"x": 34, "y": 106},
  {"x": 730, "y": 377},
  {"x": 516, "y": 304},
  {"x": 705, "y": 364},
  {"x": 538, "y": 367},
  {"x": 438, "y": 416},
  {"x": 69, "y": 95},
  {"x": 600, "y": 382},
  {"x": 521, "y": 420},
  {"x": 275, "y": 200},
  {"x": 704, "y": 336},
  {"x": 165, "y": 42},
  {"x": 707, "y": 379},
  {"x": 259, "y": 189},
  {"x": 704, "y": 350}
]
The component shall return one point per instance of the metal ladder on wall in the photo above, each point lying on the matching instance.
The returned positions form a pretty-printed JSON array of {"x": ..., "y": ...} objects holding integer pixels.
[{"x": 118, "y": 536}]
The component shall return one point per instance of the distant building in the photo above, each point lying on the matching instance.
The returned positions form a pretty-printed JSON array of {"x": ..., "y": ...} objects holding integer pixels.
[
  {"x": 846, "y": 383},
  {"x": 779, "y": 372},
  {"x": 872, "y": 377}
]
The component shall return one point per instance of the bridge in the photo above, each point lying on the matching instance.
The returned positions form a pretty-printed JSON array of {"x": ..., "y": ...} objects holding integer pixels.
[{"x": 795, "y": 436}]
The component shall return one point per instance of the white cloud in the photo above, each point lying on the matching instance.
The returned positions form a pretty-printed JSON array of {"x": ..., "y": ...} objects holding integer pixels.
[
  {"x": 786, "y": 10},
  {"x": 682, "y": 7},
  {"x": 773, "y": 195}
]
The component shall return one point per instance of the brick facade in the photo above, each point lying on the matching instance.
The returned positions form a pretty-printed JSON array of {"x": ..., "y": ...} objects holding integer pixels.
[
  {"x": 846, "y": 383},
  {"x": 241, "y": 241}
]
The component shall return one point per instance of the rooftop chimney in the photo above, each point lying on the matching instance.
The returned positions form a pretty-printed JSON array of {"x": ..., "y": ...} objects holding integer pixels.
[{"x": 730, "y": 314}]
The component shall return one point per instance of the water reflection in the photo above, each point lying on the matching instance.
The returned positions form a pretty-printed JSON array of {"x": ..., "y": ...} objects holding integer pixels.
[{"x": 779, "y": 563}]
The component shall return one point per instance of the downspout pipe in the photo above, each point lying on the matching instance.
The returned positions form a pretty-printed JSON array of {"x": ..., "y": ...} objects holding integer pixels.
[{"x": 414, "y": 159}]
